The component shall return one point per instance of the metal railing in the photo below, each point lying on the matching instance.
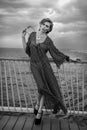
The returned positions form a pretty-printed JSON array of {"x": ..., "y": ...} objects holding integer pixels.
[{"x": 18, "y": 90}]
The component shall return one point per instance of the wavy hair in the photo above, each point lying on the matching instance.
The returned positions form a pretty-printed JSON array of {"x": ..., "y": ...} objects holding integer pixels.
[{"x": 47, "y": 20}]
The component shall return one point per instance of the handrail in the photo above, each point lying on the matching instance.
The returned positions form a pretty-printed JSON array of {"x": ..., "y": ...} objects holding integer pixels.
[
  {"x": 19, "y": 92},
  {"x": 28, "y": 59}
]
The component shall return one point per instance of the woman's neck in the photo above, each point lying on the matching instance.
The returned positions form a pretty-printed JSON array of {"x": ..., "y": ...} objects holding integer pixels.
[
  {"x": 40, "y": 36},
  {"x": 39, "y": 32}
]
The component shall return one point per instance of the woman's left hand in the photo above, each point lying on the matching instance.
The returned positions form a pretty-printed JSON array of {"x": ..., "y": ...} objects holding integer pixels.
[{"x": 75, "y": 61}]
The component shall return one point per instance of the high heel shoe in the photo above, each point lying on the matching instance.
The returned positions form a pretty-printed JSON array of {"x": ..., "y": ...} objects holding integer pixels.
[
  {"x": 63, "y": 108},
  {"x": 56, "y": 109},
  {"x": 38, "y": 120},
  {"x": 36, "y": 109}
]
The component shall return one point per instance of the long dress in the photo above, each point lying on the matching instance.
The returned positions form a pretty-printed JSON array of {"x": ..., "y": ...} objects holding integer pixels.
[{"x": 42, "y": 71}]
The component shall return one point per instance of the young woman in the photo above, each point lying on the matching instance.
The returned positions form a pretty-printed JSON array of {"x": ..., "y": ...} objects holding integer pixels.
[{"x": 39, "y": 43}]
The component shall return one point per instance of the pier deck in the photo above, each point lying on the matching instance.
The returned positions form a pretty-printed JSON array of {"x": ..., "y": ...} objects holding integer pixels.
[{"x": 25, "y": 121}]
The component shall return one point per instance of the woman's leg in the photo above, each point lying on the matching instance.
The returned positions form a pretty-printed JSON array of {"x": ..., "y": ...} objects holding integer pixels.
[
  {"x": 63, "y": 107},
  {"x": 38, "y": 101},
  {"x": 39, "y": 81},
  {"x": 40, "y": 112},
  {"x": 40, "y": 107},
  {"x": 41, "y": 103}
]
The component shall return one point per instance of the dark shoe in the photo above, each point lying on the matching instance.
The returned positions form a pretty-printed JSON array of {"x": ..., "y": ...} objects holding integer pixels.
[
  {"x": 56, "y": 109},
  {"x": 67, "y": 115},
  {"x": 65, "y": 111},
  {"x": 63, "y": 108},
  {"x": 38, "y": 120},
  {"x": 36, "y": 109}
]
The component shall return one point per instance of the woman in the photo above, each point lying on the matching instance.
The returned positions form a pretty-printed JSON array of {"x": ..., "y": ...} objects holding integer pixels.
[{"x": 39, "y": 43}]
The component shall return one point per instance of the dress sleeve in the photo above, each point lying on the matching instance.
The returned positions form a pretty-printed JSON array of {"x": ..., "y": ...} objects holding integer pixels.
[
  {"x": 28, "y": 46},
  {"x": 58, "y": 57}
]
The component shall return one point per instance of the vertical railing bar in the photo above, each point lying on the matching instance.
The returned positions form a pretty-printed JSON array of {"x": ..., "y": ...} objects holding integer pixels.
[
  {"x": 30, "y": 85},
  {"x": 83, "y": 92},
  {"x": 77, "y": 87},
  {"x": 6, "y": 85},
  {"x": 17, "y": 85},
  {"x": 1, "y": 90},
  {"x": 29, "y": 90},
  {"x": 66, "y": 87},
  {"x": 22, "y": 85},
  {"x": 70, "y": 86},
  {"x": 11, "y": 85},
  {"x": 72, "y": 89},
  {"x": 61, "y": 86}
]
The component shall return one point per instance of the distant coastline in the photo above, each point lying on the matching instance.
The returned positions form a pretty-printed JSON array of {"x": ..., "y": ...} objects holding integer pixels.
[{"x": 19, "y": 53}]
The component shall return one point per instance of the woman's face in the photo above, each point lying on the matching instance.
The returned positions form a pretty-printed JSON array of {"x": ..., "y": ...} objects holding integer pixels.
[{"x": 45, "y": 27}]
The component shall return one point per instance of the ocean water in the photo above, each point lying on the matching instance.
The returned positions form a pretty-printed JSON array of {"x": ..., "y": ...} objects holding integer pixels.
[
  {"x": 17, "y": 74},
  {"x": 12, "y": 52},
  {"x": 19, "y": 53}
]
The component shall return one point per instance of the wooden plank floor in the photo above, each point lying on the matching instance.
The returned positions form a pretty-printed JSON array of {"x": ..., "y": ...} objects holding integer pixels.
[{"x": 17, "y": 121}]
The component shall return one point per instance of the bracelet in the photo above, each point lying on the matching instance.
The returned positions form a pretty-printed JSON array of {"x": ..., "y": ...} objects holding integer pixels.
[{"x": 67, "y": 58}]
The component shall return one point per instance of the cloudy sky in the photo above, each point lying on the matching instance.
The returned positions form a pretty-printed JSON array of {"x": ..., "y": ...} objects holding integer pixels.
[{"x": 69, "y": 17}]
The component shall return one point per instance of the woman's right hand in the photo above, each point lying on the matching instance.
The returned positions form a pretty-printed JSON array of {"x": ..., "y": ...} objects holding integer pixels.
[{"x": 23, "y": 33}]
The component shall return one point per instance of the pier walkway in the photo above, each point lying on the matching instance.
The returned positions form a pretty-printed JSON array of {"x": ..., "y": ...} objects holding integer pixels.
[{"x": 25, "y": 121}]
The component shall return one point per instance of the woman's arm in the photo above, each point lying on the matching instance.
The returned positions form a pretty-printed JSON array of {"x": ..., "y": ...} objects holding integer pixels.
[
  {"x": 57, "y": 55},
  {"x": 26, "y": 45},
  {"x": 24, "y": 40}
]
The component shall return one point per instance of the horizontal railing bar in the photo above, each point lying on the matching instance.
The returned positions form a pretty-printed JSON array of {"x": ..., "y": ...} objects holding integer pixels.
[
  {"x": 30, "y": 110},
  {"x": 28, "y": 59}
]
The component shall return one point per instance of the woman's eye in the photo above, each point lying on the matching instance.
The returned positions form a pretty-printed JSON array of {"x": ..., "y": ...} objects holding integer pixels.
[{"x": 47, "y": 26}]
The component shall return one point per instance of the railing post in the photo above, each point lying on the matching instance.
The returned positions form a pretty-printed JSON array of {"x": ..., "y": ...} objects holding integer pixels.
[
  {"x": 1, "y": 86},
  {"x": 67, "y": 88},
  {"x": 9, "y": 68},
  {"x": 17, "y": 85},
  {"x": 72, "y": 89},
  {"x": 6, "y": 84},
  {"x": 83, "y": 91},
  {"x": 22, "y": 86},
  {"x": 59, "y": 81}
]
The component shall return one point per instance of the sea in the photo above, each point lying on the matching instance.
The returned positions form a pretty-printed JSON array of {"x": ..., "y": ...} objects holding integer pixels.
[
  {"x": 19, "y": 53},
  {"x": 14, "y": 74}
]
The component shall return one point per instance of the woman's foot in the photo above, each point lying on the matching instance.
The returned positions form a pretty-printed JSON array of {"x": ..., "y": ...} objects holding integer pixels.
[
  {"x": 36, "y": 109},
  {"x": 65, "y": 111},
  {"x": 66, "y": 115},
  {"x": 56, "y": 109},
  {"x": 38, "y": 118}
]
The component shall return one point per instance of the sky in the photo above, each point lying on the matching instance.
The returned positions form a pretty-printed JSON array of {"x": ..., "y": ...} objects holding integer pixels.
[{"x": 69, "y": 18}]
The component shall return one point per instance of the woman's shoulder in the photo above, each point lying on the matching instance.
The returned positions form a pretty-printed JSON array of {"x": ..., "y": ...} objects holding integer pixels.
[
  {"x": 50, "y": 41},
  {"x": 31, "y": 35}
]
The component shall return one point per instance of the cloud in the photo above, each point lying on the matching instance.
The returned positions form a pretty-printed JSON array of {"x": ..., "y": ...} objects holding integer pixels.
[
  {"x": 69, "y": 17},
  {"x": 75, "y": 26}
]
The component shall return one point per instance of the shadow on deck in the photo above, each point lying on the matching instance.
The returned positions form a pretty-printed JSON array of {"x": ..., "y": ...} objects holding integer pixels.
[{"x": 23, "y": 121}]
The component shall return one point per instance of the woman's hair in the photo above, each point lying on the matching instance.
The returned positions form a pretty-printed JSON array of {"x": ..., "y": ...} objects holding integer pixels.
[{"x": 47, "y": 20}]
